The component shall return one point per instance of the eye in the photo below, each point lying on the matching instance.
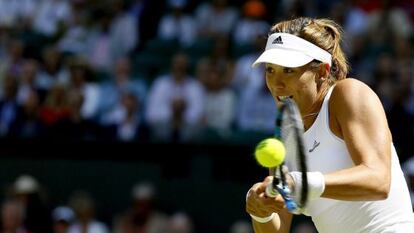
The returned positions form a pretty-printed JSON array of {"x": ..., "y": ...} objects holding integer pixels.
[
  {"x": 287, "y": 70},
  {"x": 269, "y": 70}
]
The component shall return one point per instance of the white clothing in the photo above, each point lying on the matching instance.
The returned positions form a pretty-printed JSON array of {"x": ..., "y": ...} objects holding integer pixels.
[
  {"x": 247, "y": 30},
  {"x": 93, "y": 227},
  {"x": 50, "y": 14},
  {"x": 181, "y": 28},
  {"x": 245, "y": 77},
  {"x": 164, "y": 90},
  {"x": 257, "y": 110},
  {"x": 207, "y": 18},
  {"x": 220, "y": 109},
  {"x": 328, "y": 153}
]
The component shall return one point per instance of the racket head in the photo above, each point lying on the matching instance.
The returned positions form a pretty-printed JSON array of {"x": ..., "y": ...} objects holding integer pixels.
[{"x": 289, "y": 129}]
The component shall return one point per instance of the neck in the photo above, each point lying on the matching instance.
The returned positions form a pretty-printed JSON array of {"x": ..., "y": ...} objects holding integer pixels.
[{"x": 309, "y": 106}]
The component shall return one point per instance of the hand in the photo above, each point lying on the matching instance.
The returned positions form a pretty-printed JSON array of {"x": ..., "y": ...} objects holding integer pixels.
[{"x": 258, "y": 204}]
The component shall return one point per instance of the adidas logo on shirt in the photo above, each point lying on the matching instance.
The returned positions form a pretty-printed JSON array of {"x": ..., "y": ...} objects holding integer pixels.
[{"x": 278, "y": 40}]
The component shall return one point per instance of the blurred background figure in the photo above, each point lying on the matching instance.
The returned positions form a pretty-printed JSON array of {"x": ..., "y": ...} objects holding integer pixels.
[
  {"x": 12, "y": 215},
  {"x": 177, "y": 25},
  {"x": 257, "y": 110},
  {"x": 220, "y": 100},
  {"x": 142, "y": 215},
  {"x": 175, "y": 103},
  {"x": 84, "y": 207},
  {"x": 241, "y": 226},
  {"x": 63, "y": 217},
  {"x": 180, "y": 222},
  {"x": 252, "y": 23},
  {"x": 213, "y": 11},
  {"x": 28, "y": 192},
  {"x": 8, "y": 104}
]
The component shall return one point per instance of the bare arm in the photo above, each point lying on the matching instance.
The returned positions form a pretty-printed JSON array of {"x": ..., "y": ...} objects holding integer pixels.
[
  {"x": 362, "y": 124},
  {"x": 280, "y": 224}
]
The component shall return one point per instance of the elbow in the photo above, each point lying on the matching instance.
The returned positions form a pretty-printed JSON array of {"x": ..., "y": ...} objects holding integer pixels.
[
  {"x": 383, "y": 189},
  {"x": 383, "y": 193}
]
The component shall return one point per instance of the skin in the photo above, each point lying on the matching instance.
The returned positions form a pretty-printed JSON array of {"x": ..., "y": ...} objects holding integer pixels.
[{"x": 361, "y": 124}]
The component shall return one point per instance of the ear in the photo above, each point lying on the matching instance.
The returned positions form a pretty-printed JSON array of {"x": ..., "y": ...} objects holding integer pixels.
[{"x": 323, "y": 72}]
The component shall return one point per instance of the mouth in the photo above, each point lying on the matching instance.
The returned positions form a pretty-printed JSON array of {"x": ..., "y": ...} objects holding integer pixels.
[{"x": 283, "y": 97}]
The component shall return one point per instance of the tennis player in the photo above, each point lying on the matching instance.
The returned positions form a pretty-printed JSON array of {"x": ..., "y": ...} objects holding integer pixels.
[{"x": 355, "y": 181}]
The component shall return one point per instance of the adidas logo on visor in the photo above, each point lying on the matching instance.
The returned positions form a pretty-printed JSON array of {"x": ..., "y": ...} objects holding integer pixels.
[{"x": 278, "y": 40}]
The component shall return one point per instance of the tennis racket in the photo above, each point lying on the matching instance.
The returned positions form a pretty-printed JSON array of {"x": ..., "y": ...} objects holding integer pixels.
[{"x": 289, "y": 130}]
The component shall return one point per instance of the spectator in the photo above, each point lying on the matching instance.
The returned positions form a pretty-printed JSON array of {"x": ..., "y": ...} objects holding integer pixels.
[
  {"x": 77, "y": 38},
  {"x": 121, "y": 82},
  {"x": 123, "y": 31},
  {"x": 28, "y": 124},
  {"x": 177, "y": 25},
  {"x": 180, "y": 222},
  {"x": 252, "y": 24},
  {"x": 257, "y": 110},
  {"x": 80, "y": 81},
  {"x": 28, "y": 81},
  {"x": 220, "y": 101},
  {"x": 241, "y": 226},
  {"x": 28, "y": 192},
  {"x": 142, "y": 215},
  {"x": 52, "y": 71},
  {"x": 125, "y": 120},
  {"x": 84, "y": 207},
  {"x": 244, "y": 76},
  {"x": 75, "y": 127},
  {"x": 8, "y": 105},
  {"x": 51, "y": 16},
  {"x": 175, "y": 103},
  {"x": 12, "y": 214},
  {"x": 114, "y": 36},
  {"x": 63, "y": 217},
  {"x": 55, "y": 109},
  {"x": 391, "y": 20},
  {"x": 211, "y": 12}
]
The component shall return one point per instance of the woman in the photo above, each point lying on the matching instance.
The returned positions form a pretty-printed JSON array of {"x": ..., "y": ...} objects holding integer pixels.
[{"x": 356, "y": 183}]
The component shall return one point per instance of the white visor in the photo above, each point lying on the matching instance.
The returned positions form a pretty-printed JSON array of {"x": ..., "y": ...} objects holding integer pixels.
[{"x": 291, "y": 51}]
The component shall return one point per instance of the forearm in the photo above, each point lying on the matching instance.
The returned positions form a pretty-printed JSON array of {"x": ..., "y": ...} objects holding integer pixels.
[
  {"x": 280, "y": 224},
  {"x": 359, "y": 183}
]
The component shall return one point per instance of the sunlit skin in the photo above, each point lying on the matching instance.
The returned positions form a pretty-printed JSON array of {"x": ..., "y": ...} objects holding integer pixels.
[
  {"x": 361, "y": 124},
  {"x": 301, "y": 84}
]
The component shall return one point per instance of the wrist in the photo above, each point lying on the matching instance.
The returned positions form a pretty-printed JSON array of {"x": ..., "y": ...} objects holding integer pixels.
[
  {"x": 262, "y": 219},
  {"x": 316, "y": 184}
]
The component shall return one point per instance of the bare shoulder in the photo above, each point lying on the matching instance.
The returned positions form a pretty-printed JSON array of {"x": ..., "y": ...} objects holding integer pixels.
[
  {"x": 352, "y": 96},
  {"x": 352, "y": 88}
]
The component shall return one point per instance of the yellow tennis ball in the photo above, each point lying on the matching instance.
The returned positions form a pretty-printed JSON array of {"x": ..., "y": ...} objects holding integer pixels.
[{"x": 270, "y": 152}]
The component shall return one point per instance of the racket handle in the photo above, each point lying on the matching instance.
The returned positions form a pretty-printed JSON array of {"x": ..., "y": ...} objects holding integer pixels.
[
  {"x": 270, "y": 191},
  {"x": 289, "y": 202}
]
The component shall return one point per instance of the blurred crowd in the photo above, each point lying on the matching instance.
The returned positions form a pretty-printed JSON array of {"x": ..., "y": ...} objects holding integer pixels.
[
  {"x": 26, "y": 209},
  {"x": 178, "y": 70},
  {"x": 173, "y": 71}
]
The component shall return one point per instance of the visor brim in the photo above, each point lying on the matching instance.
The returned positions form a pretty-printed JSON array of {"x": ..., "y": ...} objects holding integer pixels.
[{"x": 282, "y": 57}]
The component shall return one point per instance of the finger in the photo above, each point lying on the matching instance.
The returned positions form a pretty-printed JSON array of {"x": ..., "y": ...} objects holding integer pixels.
[
  {"x": 256, "y": 186},
  {"x": 262, "y": 188}
]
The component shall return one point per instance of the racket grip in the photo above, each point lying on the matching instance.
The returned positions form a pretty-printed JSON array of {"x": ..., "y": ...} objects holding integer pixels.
[
  {"x": 270, "y": 191},
  {"x": 291, "y": 205},
  {"x": 289, "y": 202}
]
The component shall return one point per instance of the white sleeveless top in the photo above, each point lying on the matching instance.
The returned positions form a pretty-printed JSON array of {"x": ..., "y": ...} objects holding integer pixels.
[{"x": 328, "y": 153}]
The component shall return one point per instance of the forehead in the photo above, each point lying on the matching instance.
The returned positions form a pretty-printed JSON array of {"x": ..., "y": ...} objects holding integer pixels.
[{"x": 274, "y": 66}]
